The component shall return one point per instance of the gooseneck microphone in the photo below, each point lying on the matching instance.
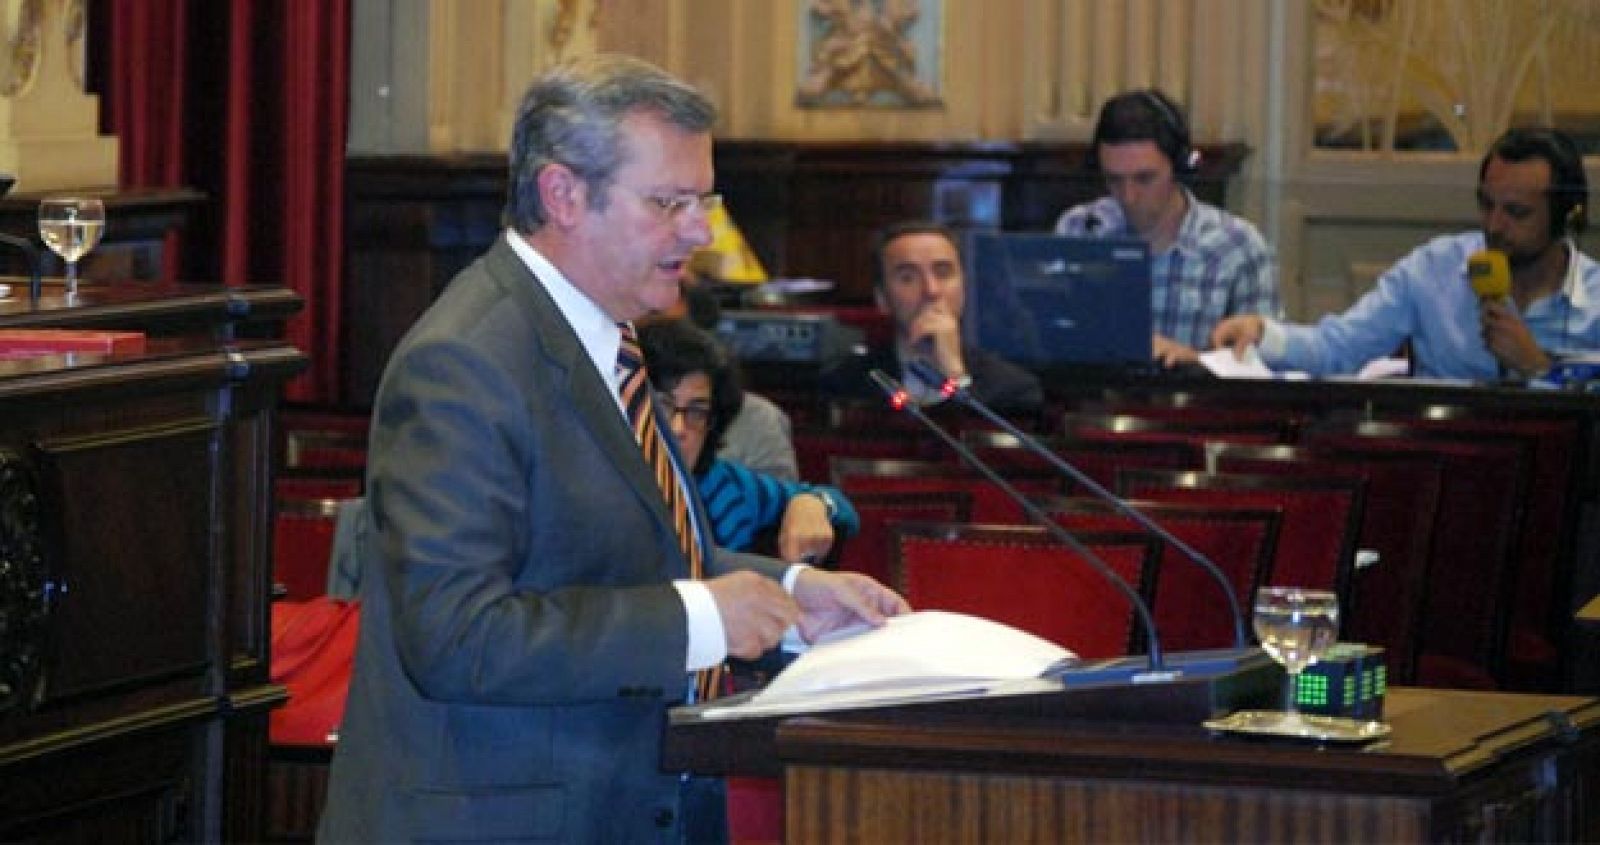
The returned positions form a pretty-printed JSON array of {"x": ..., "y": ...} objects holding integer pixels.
[
  {"x": 951, "y": 389},
  {"x": 901, "y": 400}
]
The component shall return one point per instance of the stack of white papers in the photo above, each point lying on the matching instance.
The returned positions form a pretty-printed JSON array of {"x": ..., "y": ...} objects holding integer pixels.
[{"x": 927, "y": 654}]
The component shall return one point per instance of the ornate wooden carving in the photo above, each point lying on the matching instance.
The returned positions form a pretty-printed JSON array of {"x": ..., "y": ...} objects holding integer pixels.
[{"x": 23, "y": 584}]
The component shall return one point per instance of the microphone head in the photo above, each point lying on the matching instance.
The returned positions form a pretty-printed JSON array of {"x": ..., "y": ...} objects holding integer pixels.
[
  {"x": 898, "y": 397},
  {"x": 934, "y": 379},
  {"x": 1490, "y": 274}
]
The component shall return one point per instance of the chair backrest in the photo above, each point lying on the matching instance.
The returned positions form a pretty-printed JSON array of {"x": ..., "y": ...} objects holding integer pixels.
[
  {"x": 302, "y": 546},
  {"x": 1398, "y": 524},
  {"x": 1024, "y": 577},
  {"x": 1470, "y": 577},
  {"x": 1189, "y": 610},
  {"x": 1547, "y": 538},
  {"x": 1196, "y": 428},
  {"x": 815, "y": 448},
  {"x": 990, "y": 504},
  {"x": 1206, "y": 416},
  {"x": 321, "y": 449},
  {"x": 869, "y": 550},
  {"x": 1099, "y": 459},
  {"x": 1321, "y": 517}
]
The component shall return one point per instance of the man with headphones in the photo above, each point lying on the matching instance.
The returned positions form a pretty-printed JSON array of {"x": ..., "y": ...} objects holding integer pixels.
[
  {"x": 1205, "y": 263},
  {"x": 1531, "y": 198}
]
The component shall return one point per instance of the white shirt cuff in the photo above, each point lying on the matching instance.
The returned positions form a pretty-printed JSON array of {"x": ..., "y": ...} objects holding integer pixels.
[
  {"x": 708, "y": 641},
  {"x": 792, "y": 641},
  {"x": 1274, "y": 340}
]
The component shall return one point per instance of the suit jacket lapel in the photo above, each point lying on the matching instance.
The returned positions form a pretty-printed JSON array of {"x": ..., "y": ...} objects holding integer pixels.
[{"x": 591, "y": 398}]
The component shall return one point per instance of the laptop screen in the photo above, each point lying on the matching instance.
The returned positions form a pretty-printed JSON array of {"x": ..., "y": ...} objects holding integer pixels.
[{"x": 1043, "y": 300}]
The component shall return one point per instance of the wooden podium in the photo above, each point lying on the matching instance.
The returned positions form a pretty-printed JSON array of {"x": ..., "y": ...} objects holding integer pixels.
[
  {"x": 135, "y": 542},
  {"x": 1458, "y": 766}
]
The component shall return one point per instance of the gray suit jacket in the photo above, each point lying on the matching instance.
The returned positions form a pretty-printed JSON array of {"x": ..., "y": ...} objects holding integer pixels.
[{"x": 520, "y": 639}]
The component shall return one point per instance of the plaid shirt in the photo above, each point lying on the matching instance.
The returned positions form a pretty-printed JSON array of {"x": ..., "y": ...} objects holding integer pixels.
[{"x": 1218, "y": 266}]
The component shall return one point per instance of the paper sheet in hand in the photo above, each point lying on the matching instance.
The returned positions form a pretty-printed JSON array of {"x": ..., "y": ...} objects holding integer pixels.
[{"x": 919, "y": 655}]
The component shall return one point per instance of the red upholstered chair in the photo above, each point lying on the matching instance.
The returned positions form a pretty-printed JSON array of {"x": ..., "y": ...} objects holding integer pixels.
[
  {"x": 1199, "y": 429},
  {"x": 302, "y": 545},
  {"x": 1321, "y": 517},
  {"x": 814, "y": 449},
  {"x": 319, "y": 449},
  {"x": 1547, "y": 538},
  {"x": 1190, "y": 610},
  {"x": 868, "y": 551},
  {"x": 313, "y": 649},
  {"x": 1397, "y": 524},
  {"x": 1470, "y": 576},
  {"x": 317, "y": 486},
  {"x": 1206, "y": 416},
  {"x": 1024, "y": 577},
  {"x": 990, "y": 504},
  {"x": 1099, "y": 459}
]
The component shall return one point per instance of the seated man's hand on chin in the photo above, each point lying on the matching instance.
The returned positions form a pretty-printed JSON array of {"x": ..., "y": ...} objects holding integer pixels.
[
  {"x": 833, "y": 600},
  {"x": 1169, "y": 353},
  {"x": 936, "y": 333}
]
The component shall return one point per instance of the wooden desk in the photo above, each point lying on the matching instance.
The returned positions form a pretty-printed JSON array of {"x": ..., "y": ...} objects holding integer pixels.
[
  {"x": 163, "y": 309},
  {"x": 135, "y": 541},
  {"x": 1459, "y": 766}
]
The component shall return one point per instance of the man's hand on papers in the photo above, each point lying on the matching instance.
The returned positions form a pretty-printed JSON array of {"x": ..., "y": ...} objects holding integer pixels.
[{"x": 832, "y": 600}]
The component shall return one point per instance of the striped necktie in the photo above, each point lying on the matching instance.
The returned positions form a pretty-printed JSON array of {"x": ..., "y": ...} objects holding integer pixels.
[{"x": 633, "y": 383}]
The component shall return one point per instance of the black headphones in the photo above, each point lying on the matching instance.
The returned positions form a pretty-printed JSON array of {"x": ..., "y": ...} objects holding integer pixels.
[
  {"x": 1144, "y": 115},
  {"x": 1569, "y": 186}
]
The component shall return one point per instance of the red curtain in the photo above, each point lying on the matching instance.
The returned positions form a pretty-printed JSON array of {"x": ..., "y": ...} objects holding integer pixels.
[{"x": 248, "y": 102}]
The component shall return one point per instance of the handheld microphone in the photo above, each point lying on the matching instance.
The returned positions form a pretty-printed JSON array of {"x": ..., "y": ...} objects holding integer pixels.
[
  {"x": 1490, "y": 274},
  {"x": 900, "y": 400},
  {"x": 949, "y": 388}
]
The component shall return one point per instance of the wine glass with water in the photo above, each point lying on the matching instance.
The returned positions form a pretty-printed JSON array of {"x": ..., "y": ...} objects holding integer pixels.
[
  {"x": 1295, "y": 626},
  {"x": 71, "y": 226}
]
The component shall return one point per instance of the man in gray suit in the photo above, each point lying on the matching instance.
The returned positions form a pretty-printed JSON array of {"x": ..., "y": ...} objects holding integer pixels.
[{"x": 527, "y": 614}]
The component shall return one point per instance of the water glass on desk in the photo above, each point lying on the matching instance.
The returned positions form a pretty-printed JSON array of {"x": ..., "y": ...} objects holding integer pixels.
[{"x": 71, "y": 226}]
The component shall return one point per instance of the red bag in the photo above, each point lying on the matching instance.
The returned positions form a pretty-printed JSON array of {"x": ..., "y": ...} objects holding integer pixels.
[{"x": 313, "y": 647}]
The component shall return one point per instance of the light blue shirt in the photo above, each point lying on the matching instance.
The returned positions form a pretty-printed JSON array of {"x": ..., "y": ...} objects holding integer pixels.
[
  {"x": 1427, "y": 298},
  {"x": 1217, "y": 266}
]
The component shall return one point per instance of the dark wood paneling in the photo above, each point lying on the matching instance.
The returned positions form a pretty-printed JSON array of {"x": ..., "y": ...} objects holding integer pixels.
[
  {"x": 1459, "y": 766},
  {"x": 145, "y": 717},
  {"x": 807, "y": 209}
]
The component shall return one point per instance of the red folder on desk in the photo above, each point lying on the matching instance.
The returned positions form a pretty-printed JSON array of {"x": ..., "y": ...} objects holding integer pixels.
[{"x": 18, "y": 343}]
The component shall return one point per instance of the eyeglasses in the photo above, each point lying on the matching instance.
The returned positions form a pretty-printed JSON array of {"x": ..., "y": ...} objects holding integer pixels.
[
  {"x": 674, "y": 206},
  {"x": 696, "y": 415}
]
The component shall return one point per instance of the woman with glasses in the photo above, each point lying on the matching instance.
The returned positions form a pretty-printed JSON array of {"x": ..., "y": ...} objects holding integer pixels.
[{"x": 698, "y": 395}]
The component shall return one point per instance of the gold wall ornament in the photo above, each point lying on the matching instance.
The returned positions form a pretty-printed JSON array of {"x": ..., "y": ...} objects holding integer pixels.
[
  {"x": 49, "y": 126},
  {"x": 867, "y": 52},
  {"x": 74, "y": 25},
  {"x": 1451, "y": 74},
  {"x": 23, "y": 39}
]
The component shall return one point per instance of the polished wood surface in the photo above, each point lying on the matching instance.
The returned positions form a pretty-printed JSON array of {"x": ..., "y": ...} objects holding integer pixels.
[
  {"x": 1459, "y": 765},
  {"x": 134, "y": 695},
  {"x": 158, "y": 308}
]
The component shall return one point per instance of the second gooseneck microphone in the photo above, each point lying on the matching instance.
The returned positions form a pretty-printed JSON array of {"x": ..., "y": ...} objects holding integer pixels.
[
  {"x": 901, "y": 400},
  {"x": 951, "y": 389}
]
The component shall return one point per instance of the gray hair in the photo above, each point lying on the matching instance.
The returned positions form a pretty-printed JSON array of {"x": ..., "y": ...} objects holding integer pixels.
[{"x": 572, "y": 115}]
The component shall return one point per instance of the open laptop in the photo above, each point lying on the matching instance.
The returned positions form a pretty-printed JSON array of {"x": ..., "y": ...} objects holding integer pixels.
[{"x": 1048, "y": 301}]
